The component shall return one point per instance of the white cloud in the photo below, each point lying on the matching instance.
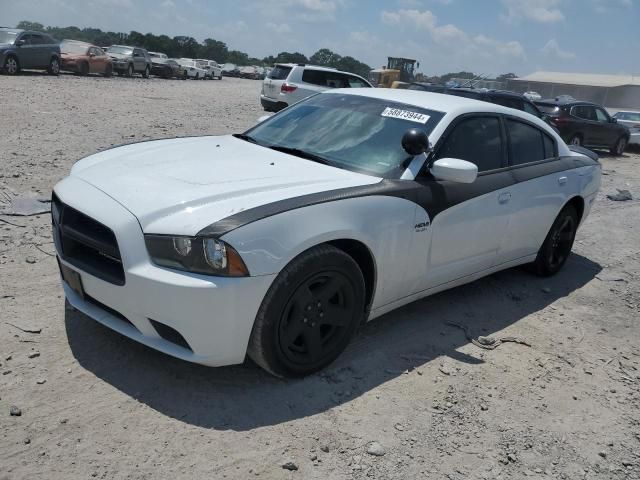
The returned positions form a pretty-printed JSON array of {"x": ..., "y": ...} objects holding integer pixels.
[
  {"x": 542, "y": 11},
  {"x": 606, "y": 6},
  {"x": 450, "y": 37},
  {"x": 278, "y": 27},
  {"x": 552, "y": 49}
]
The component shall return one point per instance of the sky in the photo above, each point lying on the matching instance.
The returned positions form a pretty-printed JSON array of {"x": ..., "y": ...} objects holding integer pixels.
[{"x": 482, "y": 36}]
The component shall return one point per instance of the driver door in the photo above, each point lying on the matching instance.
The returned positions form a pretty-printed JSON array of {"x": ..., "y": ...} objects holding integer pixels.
[{"x": 469, "y": 221}]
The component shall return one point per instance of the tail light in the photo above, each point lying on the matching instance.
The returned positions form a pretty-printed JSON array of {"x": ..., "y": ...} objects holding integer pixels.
[{"x": 286, "y": 88}]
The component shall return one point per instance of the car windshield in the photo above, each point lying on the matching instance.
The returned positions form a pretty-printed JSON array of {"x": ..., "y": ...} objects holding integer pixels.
[
  {"x": 630, "y": 116},
  {"x": 123, "y": 50},
  {"x": 8, "y": 37},
  {"x": 353, "y": 132},
  {"x": 72, "y": 47}
]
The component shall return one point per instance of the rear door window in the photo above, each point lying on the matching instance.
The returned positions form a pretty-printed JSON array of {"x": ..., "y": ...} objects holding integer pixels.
[
  {"x": 528, "y": 143},
  {"x": 477, "y": 140},
  {"x": 279, "y": 72}
]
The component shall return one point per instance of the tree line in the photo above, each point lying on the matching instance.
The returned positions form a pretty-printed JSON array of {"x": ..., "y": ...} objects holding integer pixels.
[{"x": 188, "y": 47}]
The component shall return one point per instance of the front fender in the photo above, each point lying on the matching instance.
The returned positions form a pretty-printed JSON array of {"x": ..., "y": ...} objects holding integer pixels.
[{"x": 385, "y": 225}]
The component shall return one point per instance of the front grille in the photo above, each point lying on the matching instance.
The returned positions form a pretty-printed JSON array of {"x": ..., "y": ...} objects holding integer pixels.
[{"x": 86, "y": 243}]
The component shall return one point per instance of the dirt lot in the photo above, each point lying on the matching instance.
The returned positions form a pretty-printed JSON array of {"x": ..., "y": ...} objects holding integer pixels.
[{"x": 96, "y": 405}]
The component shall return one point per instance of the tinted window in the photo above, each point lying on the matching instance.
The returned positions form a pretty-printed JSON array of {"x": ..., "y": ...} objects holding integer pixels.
[
  {"x": 526, "y": 144},
  {"x": 585, "y": 112},
  {"x": 511, "y": 102},
  {"x": 26, "y": 38},
  {"x": 602, "y": 115},
  {"x": 477, "y": 140},
  {"x": 355, "y": 82},
  {"x": 37, "y": 39},
  {"x": 279, "y": 72},
  {"x": 549, "y": 146},
  {"x": 531, "y": 109}
]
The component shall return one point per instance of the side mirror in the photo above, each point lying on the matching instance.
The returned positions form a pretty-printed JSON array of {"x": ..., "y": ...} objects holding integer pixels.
[
  {"x": 19, "y": 43},
  {"x": 614, "y": 120},
  {"x": 415, "y": 142},
  {"x": 264, "y": 117},
  {"x": 454, "y": 170},
  {"x": 92, "y": 55}
]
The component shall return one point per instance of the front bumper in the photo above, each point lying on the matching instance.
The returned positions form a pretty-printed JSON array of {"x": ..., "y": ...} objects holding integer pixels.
[
  {"x": 634, "y": 139},
  {"x": 214, "y": 315}
]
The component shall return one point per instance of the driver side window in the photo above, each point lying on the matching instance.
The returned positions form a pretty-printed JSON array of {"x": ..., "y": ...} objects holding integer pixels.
[{"x": 477, "y": 140}]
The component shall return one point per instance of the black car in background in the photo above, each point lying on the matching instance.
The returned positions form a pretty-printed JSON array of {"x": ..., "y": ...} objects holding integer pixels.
[
  {"x": 22, "y": 49},
  {"x": 500, "y": 97},
  {"x": 585, "y": 124}
]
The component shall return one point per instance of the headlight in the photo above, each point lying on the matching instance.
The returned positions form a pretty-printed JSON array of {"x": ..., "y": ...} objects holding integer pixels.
[{"x": 208, "y": 256}]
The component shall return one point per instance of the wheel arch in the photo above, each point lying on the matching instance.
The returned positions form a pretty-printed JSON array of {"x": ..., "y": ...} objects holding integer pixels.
[
  {"x": 362, "y": 255},
  {"x": 578, "y": 203}
]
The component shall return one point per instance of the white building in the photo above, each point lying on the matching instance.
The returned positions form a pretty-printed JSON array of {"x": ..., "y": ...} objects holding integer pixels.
[{"x": 613, "y": 91}]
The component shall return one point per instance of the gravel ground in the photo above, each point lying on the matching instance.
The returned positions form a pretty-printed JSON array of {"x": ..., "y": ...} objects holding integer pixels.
[{"x": 411, "y": 398}]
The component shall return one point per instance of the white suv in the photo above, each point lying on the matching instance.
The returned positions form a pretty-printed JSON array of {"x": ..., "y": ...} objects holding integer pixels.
[{"x": 288, "y": 83}]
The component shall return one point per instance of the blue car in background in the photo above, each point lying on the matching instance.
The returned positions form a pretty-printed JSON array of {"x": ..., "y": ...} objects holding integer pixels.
[{"x": 22, "y": 49}]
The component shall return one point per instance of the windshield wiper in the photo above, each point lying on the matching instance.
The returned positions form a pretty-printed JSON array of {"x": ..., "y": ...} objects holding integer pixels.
[
  {"x": 301, "y": 153},
  {"x": 244, "y": 136}
]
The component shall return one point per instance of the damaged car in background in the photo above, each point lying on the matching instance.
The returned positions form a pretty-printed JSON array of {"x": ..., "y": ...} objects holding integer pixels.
[{"x": 279, "y": 242}]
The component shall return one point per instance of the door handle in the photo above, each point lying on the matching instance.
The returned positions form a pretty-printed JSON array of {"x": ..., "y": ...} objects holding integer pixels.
[
  {"x": 504, "y": 197},
  {"x": 562, "y": 180}
]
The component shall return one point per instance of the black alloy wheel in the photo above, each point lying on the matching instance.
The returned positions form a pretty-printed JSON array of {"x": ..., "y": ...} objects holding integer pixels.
[
  {"x": 315, "y": 319},
  {"x": 11, "y": 65},
  {"x": 54, "y": 67},
  {"x": 575, "y": 140},
  {"x": 309, "y": 313},
  {"x": 619, "y": 147},
  {"x": 558, "y": 244}
]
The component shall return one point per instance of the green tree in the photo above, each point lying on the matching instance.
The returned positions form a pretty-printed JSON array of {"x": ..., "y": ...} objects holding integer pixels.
[
  {"x": 26, "y": 25},
  {"x": 215, "y": 50},
  {"x": 287, "y": 57},
  {"x": 325, "y": 57}
]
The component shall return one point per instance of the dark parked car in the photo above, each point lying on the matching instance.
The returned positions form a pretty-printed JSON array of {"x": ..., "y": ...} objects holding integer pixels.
[
  {"x": 130, "y": 60},
  {"x": 585, "y": 124},
  {"x": 500, "y": 97},
  {"x": 29, "y": 50}
]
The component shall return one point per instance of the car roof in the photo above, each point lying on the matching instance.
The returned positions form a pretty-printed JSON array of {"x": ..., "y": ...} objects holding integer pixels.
[
  {"x": 304, "y": 65},
  {"x": 429, "y": 100}
]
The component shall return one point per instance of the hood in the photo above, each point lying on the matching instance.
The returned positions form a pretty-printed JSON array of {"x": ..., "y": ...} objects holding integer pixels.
[{"x": 179, "y": 186}]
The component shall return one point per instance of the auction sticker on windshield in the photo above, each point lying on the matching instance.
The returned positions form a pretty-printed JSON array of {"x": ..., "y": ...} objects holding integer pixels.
[{"x": 405, "y": 115}]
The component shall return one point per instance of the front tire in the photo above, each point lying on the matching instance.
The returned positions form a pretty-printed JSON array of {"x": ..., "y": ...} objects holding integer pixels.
[
  {"x": 618, "y": 148},
  {"x": 54, "y": 67},
  {"x": 557, "y": 245},
  {"x": 84, "y": 69},
  {"x": 147, "y": 72},
  {"x": 309, "y": 313},
  {"x": 130, "y": 71},
  {"x": 108, "y": 70},
  {"x": 11, "y": 65}
]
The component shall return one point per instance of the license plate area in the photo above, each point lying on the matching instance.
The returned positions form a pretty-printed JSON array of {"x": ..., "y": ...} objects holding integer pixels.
[{"x": 71, "y": 278}]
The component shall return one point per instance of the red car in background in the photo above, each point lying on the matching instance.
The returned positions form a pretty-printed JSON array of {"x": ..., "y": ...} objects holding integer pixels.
[{"x": 84, "y": 58}]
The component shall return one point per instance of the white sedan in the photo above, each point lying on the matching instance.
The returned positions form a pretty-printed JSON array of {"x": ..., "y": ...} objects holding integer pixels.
[
  {"x": 192, "y": 69},
  {"x": 279, "y": 242}
]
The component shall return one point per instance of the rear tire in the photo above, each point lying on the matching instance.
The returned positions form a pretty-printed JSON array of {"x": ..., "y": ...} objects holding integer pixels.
[
  {"x": 557, "y": 245},
  {"x": 11, "y": 65},
  {"x": 309, "y": 313},
  {"x": 54, "y": 67},
  {"x": 618, "y": 148},
  {"x": 576, "y": 140}
]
